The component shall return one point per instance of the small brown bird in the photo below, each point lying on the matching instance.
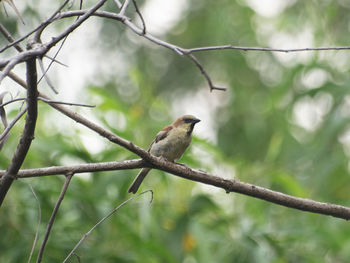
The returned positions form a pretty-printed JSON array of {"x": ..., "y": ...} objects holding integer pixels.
[{"x": 170, "y": 143}]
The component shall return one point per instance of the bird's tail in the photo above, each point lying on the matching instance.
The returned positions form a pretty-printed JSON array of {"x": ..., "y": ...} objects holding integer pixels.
[{"x": 138, "y": 180}]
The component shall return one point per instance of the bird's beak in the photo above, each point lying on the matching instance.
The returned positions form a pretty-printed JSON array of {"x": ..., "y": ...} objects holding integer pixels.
[{"x": 195, "y": 120}]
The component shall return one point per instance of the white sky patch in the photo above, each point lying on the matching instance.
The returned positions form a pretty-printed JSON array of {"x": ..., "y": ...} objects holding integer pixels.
[
  {"x": 203, "y": 105},
  {"x": 344, "y": 139},
  {"x": 92, "y": 142},
  {"x": 344, "y": 108},
  {"x": 161, "y": 15},
  {"x": 314, "y": 78},
  {"x": 289, "y": 41},
  {"x": 269, "y": 8},
  {"x": 308, "y": 112},
  {"x": 82, "y": 59}
]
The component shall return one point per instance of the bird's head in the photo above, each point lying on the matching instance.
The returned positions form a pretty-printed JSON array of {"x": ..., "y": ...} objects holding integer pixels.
[{"x": 186, "y": 122}]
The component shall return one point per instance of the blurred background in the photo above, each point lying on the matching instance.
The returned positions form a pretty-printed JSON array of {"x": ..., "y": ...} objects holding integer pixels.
[{"x": 283, "y": 123}]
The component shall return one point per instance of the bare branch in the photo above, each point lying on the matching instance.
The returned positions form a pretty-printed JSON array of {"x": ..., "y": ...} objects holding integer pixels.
[
  {"x": 141, "y": 17},
  {"x": 28, "y": 132},
  {"x": 10, "y": 126},
  {"x": 117, "y": 2},
  {"x": 46, "y": 22},
  {"x": 53, "y": 216},
  {"x": 142, "y": 32},
  {"x": 41, "y": 64},
  {"x": 11, "y": 101},
  {"x": 19, "y": 48},
  {"x": 228, "y": 185},
  {"x": 76, "y": 24},
  {"x": 8, "y": 36},
  {"x": 2, "y": 110},
  {"x": 205, "y": 74},
  {"x": 284, "y": 50},
  {"x": 124, "y": 7},
  {"x": 82, "y": 168},
  {"x": 10, "y": 2},
  {"x": 65, "y": 103},
  {"x": 199, "y": 176}
]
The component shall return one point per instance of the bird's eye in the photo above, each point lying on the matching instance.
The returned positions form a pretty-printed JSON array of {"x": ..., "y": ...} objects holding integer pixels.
[{"x": 187, "y": 120}]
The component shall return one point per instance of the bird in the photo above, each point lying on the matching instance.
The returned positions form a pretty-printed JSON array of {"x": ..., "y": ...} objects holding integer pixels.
[{"x": 170, "y": 143}]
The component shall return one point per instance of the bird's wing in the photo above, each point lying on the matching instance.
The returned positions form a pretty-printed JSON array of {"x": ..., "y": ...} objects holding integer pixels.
[{"x": 161, "y": 135}]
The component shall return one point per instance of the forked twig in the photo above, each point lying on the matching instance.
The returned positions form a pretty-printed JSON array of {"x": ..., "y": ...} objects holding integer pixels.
[{"x": 141, "y": 17}]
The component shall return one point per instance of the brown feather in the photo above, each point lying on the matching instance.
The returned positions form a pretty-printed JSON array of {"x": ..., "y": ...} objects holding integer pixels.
[
  {"x": 161, "y": 135},
  {"x": 178, "y": 122}
]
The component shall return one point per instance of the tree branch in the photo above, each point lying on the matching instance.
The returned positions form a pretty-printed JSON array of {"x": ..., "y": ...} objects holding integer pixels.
[
  {"x": 198, "y": 176},
  {"x": 81, "y": 168},
  {"x": 283, "y": 50},
  {"x": 228, "y": 185},
  {"x": 28, "y": 132}
]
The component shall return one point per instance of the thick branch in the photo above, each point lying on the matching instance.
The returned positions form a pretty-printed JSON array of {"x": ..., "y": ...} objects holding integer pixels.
[
  {"x": 28, "y": 132},
  {"x": 203, "y": 177}
]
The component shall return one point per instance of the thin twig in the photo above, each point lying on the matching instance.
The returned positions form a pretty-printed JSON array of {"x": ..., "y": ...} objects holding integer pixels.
[
  {"x": 18, "y": 47},
  {"x": 11, "y": 101},
  {"x": 81, "y": 168},
  {"x": 65, "y": 103},
  {"x": 53, "y": 215},
  {"x": 124, "y": 7},
  {"x": 10, "y": 2},
  {"x": 39, "y": 222},
  {"x": 284, "y": 50},
  {"x": 2, "y": 110},
  {"x": 204, "y": 73},
  {"x": 12, "y": 123},
  {"x": 53, "y": 60},
  {"x": 44, "y": 72},
  {"x": 86, "y": 235},
  {"x": 8, "y": 36},
  {"x": 41, "y": 49},
  {"x": 57, "y": 61},
  {"x": 141, "y": 17},
  {"x": 46, "y": 22},
  {"x": 117, "y": 2}
]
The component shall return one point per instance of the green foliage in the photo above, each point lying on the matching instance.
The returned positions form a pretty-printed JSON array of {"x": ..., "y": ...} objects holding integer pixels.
[{"x": 257, "y": 137}]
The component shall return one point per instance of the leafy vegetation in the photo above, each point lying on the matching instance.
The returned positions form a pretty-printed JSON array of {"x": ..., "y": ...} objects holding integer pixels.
[{"x": 283, "y": 123}]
